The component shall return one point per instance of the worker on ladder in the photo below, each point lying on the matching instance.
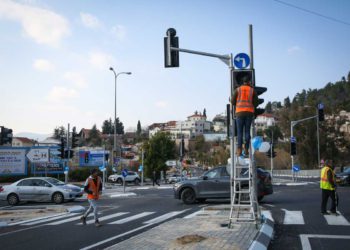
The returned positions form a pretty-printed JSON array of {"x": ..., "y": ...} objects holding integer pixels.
[{"x": 245, "y": 101}]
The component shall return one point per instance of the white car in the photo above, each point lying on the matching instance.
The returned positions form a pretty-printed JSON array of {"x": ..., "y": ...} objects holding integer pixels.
[
  {"x": 39, "y": 189},
  {"x": 131, "y": 177}
]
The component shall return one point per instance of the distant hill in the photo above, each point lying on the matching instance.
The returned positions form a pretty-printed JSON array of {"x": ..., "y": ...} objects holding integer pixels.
[{"x": 33, "y": 136}]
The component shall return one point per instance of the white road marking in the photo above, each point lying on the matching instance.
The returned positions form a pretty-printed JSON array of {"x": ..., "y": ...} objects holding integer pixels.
[
  {"x": 293, "y": 217},
  {"x": 164, "y": 217},
  {"x": 267, "y": 215},
  {"x": 131, "y": 218},
  {"x": 67, "y": 220},
  {"x": 336, "y": 220},
  {"x": 107, "y": 217},
  {"x": 193, "y": 214},
  {"x": 35, "y": 219},
  {"x": 122, "y": 195},
  {"x": 123, "y": 234},
  {"x": 269, "y": 205},
  {"x": 305, "y": 243},
  {"x": 46, "y": 220}
]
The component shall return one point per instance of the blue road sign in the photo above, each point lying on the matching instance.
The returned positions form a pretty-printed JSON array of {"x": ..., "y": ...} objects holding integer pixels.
[
  {"x": 140, "y": 168},
  {"x": 125, "y": 173},
  {"x": 293, "y": 139},
  {"x": 296, "y": 168},
  {"x": 102, "y": 167},
  {"x": 320, "y": 106},
  {"x": 241, "y": 61},
  {"x": 66, "y": 169}
]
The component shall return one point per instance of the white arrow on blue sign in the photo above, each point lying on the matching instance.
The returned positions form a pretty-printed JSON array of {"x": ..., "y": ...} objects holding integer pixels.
[
  {"x": 241, "y": 60},
  {"x": 125, "y": 173},
  {"x": 296, "y": 168}
]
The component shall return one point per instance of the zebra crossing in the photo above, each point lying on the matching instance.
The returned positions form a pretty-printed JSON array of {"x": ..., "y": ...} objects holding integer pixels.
[
  {"x": 298, "y": 218},
  {"x": 116, "y": 218}
]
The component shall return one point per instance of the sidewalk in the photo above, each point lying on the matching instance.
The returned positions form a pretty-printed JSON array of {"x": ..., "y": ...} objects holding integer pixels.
[{"x": 205, "y": 230}]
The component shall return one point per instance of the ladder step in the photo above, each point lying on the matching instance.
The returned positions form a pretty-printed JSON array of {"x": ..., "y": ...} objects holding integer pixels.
[
  {"x": 241, "y": 205},
  {"x": 241, "y": 179},
  {"x": 243, "y": 192}
]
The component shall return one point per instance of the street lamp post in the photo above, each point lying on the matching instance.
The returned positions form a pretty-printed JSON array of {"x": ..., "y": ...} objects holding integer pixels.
[{"x": 115, "y": 105}]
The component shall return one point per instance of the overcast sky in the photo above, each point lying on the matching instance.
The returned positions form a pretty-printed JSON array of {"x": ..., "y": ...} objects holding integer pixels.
[{"x": 55, "y": 57}]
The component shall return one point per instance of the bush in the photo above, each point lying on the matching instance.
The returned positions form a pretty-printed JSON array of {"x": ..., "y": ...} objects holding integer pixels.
[{"x": 80, "y": 174}]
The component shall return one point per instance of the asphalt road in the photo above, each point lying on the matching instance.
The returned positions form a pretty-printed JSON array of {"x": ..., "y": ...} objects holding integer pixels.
[
  {"x": 130, "y": 215},
  {"x": 299, "y": 223}
]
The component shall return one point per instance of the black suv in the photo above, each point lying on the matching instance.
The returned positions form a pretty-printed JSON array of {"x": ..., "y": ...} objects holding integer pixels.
[{"x": 215, "y": 184}]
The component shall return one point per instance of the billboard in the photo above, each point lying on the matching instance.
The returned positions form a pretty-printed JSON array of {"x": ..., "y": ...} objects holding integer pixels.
[
  {"x": 13, "y": 161},
  {"x": 54, "y": 166},
  {"x": 92, "y": 158}
]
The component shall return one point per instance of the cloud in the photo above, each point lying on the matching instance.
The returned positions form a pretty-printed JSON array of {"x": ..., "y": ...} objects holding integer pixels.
[
  {"x": 90, "y": 21},
  {"x": 293, "y": 50},
  {"x": 43, "y": 65},
  {"x": 59, "y": 93},
  {"x": 42, "y": 25},
  {"x": 161, "y": 104},
  {"x": 76, "y": 78},
  {"x": 119, "y": 31},
  {"x": 100, "y": 60}
]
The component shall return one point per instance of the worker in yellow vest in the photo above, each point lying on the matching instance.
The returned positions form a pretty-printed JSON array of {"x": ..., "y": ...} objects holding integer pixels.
[
  {"x": 245, "y": 101},
  {"x": 93, "y": 187},
  {"x": 327, "y": 185}
]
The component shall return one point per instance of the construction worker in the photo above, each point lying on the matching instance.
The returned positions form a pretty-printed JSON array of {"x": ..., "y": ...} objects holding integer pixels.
[
  {"x": 245, "y": 101},
  {"x": 327, "y": 184},
  {"x": 93, "y": 187}
]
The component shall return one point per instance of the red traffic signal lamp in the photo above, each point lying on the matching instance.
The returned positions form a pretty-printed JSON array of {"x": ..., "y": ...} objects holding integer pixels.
[{"x": 171, "y": 57}]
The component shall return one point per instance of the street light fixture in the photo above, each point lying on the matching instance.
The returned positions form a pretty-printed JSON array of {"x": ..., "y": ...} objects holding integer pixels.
[{"x": 115, "y": 105}]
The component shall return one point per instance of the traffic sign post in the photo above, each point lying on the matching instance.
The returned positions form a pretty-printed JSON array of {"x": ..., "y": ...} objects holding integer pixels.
[{"x": 124, "y": 174}]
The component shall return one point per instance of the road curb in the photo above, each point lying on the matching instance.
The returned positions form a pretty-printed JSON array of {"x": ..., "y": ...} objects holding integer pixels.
[
  {"x": 76, "y": 209},
  {"x": 264, "y": 237}
]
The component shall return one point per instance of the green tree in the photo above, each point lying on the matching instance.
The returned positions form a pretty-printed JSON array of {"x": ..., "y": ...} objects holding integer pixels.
[
  {"x": 286, "y": 102},
  {"x": 94, "y": 137},
  {"x": 268, "y": 108},
  {"x": 107, "y": 127},
  {"x": 59, "y": 132},
  {"x": 120, "y": 127},
  {"x": 139, "y": 129},
  {"x": 158, "y": 150}
]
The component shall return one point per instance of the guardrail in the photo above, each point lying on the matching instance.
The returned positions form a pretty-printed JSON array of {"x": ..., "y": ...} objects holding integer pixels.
[{"x": 313, "y": 173}]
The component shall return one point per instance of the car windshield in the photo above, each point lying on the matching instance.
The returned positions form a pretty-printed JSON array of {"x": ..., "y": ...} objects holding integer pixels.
[{"x": 55, "y": 182}]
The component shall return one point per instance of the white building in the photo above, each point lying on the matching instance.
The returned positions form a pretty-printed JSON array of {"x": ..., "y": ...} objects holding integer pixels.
[{"x": 264, "y": 121}]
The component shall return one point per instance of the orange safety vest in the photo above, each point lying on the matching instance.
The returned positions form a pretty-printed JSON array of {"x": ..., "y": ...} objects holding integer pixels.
[
  {"x": 244, "y": 101},
  {"x": 94, "y": 188},
  {"x": 324, "y": 183}
]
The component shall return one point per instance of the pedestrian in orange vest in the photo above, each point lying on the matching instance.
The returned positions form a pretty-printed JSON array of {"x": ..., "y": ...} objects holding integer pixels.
[
  {"x": 93, "y": 187},
  {"x": 245, "y": 101},
  {"x": 328, "y": 187}
]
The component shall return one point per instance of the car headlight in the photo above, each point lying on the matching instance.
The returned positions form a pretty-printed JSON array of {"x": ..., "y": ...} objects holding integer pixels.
[{"x": 67, "y": 190}]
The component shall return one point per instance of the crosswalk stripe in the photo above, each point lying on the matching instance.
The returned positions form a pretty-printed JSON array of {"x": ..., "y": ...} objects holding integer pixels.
[
  {"x": 131, "y": 218},
  {"x": 164, "y": 217},
  {"x": 107, "y": 217},
  {"x": 46, "y": 220},
  {"x": 336, "y": 220},
  {"x": 65, "y": 221},
  {"x": 293, "y": 217}
]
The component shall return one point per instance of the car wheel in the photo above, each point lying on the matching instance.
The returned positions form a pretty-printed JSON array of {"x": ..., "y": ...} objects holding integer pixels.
[
  {"x": 12, "y": 199},
  {"x": 137, "y": 181},
  {"x": 188, "y": 196},
  {"x": 120, "y": 181},
  {"x": 58, "y": 198},
  {"x": 201, "y": 200}
]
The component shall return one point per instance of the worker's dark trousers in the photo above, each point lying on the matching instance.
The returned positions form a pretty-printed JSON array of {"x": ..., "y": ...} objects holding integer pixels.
[{"x": 325, "y": 195}]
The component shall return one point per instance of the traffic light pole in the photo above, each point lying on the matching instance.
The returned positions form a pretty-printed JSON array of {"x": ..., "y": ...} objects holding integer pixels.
[{"x": 292, "y": 124}]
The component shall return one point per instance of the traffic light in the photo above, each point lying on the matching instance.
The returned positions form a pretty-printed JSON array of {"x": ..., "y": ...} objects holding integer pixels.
[
  {"x": 86, "y": 157},
  {"x": 62, "y": 145},
  {"x": 240, "y": 75},
  {"x": 268, "y": 153},
  {"x": 259, "y": 91},
  {"x": 320, "y": 108},
  {"x": 71, "y": 154},
  {"x": 293, "y": 146},
  {"x": 171, "y": 57},
  {"x": 75, "y": 138},
  {"x": 5, "y": 136}
]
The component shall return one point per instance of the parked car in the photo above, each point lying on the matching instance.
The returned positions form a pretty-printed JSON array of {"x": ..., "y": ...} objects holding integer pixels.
[
  {"x": 343, "y": 178},
  {"x": 215, "y": 184},
  {"x": 39, "y": 189},
  {"x": 131, "y": 177},
  {"x": 175, "y": 178}
]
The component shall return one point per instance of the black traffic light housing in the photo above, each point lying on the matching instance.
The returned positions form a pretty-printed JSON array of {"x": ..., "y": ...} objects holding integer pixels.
[
  {"x": 259, "y": 91},
  {"x": 71, "y": 154},
  {"x": 293, "y": 146},
  {"x": 320, "y": 109},
  {"x": 86, "y": 157},
  {"x": 61, "y": 148},
  {"x": 171, "y": 57},
  {"x": 5, "y": 136},
  {"x": 75, "y": 138}
]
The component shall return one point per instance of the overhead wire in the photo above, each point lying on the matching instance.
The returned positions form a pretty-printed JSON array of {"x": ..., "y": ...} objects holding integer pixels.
[{"x": 313, "y": 12}]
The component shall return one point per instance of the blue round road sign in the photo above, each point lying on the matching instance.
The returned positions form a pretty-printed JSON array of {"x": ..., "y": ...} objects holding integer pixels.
[
  {"x": 241, "y": 61},
  {"x": 296, "y": 168}
]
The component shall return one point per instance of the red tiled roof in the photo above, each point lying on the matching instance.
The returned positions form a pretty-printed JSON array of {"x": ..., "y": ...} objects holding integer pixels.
[{"x": 24, "y": 139}]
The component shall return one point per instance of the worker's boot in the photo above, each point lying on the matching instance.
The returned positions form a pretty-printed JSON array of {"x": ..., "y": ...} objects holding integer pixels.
[{"x": 246, "y": 151}]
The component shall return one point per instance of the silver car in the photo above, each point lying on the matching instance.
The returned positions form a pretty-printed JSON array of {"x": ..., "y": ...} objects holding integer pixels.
[{"x": 39, "y": 189}]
